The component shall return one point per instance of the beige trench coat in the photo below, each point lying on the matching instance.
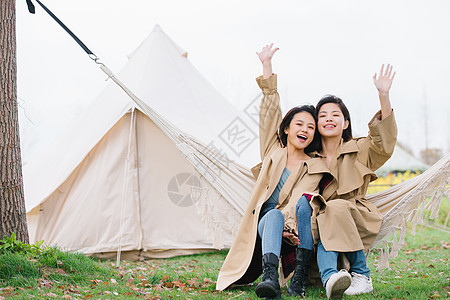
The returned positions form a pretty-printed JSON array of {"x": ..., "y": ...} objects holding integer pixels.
[
  {"x": 346, "y": 221},
  {"x": 304, "y": 180}
]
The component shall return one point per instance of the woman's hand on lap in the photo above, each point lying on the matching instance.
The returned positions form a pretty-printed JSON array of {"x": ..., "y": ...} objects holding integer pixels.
[{"x": 291, "y": 237}]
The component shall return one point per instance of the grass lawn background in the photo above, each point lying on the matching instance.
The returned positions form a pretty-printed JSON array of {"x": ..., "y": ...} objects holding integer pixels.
[{"x": 420, "y": 271}]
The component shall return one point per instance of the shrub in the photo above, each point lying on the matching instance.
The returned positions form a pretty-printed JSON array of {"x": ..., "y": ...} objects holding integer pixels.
[{"x": 12, "y": 245}]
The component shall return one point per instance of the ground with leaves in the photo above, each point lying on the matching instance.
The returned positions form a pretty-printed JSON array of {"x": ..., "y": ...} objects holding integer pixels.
[{"x": 420, "y": 271}]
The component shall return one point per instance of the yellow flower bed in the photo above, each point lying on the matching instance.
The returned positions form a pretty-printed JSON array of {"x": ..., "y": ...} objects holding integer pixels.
[{"x": 383, "y": 183}]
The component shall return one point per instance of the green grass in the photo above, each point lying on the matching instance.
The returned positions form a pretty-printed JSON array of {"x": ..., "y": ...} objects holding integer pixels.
[
  {"x": 420, "y": 271},
  {"x": 444, "y": 210},
  {"x": 17, "y": 269}
]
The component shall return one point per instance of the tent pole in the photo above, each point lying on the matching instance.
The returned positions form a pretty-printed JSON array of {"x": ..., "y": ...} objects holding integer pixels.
[{"x": 125, "y": 188}]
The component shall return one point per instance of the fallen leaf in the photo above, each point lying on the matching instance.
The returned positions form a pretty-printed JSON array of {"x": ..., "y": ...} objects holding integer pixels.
[
  {"x": 179, "y": 284},
  {"x": 46, "y": 283},
  {"x": 60, "y": 271},
  {"x": 50, "y": 295},
  {"x": 435, "y": 295},
  {"x": 193, "y": 283}
]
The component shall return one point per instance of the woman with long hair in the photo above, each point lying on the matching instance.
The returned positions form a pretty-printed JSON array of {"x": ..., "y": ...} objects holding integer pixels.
[
  {"x": 347, "y": 223},
  {"x": 278, "y": 207}
]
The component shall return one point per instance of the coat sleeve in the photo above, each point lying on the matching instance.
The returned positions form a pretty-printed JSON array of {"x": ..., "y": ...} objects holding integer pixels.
[
  {"x": 290, "y": 210},
  {"x": 378, "y": 146},
  {"x": 269, "y": 114}
]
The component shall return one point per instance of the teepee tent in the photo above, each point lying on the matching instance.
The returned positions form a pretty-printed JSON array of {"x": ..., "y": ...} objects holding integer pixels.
[
  {"x": 125, "y": 178},
  {"x": 401, "y": 161}
]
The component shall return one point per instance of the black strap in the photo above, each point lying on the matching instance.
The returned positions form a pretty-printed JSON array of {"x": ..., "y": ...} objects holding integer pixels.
[
  {"x": 30, "y": 6},
  {"x": 31, "y": 9}
]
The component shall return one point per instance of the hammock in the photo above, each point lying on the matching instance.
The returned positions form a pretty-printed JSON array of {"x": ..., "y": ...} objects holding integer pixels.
[
  {"x": 402, "y": 203},
  {"x": 407, "y": 202}
]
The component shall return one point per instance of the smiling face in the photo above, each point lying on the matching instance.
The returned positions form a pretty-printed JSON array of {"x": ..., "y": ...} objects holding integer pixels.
[
  {"x": 300, "y": 132},
  {"x": 331, "y": 122}
]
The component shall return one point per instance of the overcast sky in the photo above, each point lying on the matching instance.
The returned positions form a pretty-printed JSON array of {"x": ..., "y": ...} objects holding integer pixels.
[{"x": 326, "y": 47}]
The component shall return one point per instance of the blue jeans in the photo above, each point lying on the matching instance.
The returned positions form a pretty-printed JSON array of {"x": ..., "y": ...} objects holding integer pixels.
[
  {"x": 327, "y": 262},
  {"x": 270, "y": 230},
  {"x": 271, "y": 225},
  {"x": 303, "y": 213}
]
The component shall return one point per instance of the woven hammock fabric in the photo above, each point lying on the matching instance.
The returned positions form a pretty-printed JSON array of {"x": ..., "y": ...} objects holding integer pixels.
[{"x": 402, "y": 203}]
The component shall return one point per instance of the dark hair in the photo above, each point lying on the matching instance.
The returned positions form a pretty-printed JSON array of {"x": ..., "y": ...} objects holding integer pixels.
[
  {"x": 282, "y": 136},
  {"x": 347, "y": 133}
]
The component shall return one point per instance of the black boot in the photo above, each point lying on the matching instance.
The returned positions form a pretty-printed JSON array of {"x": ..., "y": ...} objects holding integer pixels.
[
  {"x": 298, "y": 281},
  {"x": 269, "y": 286}
]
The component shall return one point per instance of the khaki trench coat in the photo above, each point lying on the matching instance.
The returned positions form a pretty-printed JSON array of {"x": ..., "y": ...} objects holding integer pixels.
[
  {"x": 304, "y": 180},
  {"x": 347, "y": 222}
]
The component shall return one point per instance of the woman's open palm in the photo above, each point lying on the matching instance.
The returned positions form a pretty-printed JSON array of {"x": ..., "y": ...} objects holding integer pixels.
[
  {"x": 267, "y": 53},
  {"x": 384, "y": 81}
]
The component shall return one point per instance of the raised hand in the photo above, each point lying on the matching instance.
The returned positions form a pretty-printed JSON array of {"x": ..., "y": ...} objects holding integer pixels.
[
  {"x": 267, "y": 53},
  {"x": 265, "y": 56},
  {"x": 384, "y": 81}
]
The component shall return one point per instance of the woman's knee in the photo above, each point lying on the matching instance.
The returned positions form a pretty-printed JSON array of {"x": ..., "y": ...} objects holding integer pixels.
[
  {"x": 339, "y": 206},
  {"x": 275, "y": 214},
  {"x": 274, "y": 220},
  {"x": 339, "y": 203}
]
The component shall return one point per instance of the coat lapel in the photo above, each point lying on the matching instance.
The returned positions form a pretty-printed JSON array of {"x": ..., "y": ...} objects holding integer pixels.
[
  {"x": 317, "y": 165},
  {"x": 352, "y": 172},
  {"x": 347, "y": 171},
  {"x": 290, "y": 182}
]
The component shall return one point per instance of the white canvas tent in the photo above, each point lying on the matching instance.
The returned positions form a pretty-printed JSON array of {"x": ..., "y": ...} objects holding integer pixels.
[
  {"x": 401, "y": 160},
  {"x": 123, "y": 178}
]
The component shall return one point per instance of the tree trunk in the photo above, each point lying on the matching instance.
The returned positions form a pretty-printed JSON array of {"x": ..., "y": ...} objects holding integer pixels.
[{"x": 12, "y": 203}]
